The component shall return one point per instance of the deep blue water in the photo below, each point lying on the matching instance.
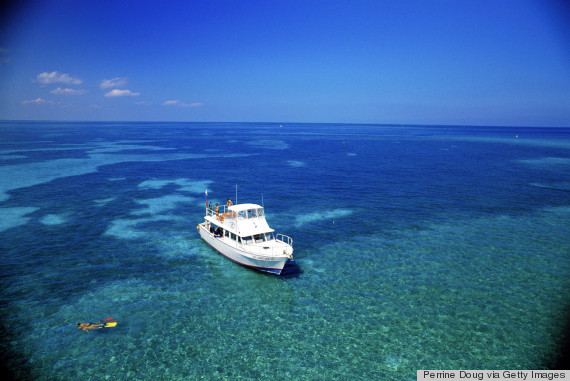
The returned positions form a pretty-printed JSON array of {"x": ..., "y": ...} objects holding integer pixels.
[{"x": 416, "y": 247}]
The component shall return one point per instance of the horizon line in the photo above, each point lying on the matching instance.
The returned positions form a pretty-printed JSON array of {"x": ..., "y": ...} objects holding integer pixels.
[{"x": 282, "y": 124}]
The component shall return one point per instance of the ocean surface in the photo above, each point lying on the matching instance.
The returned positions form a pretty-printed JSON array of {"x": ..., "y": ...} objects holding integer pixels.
[{"x": 416, "y": 247}]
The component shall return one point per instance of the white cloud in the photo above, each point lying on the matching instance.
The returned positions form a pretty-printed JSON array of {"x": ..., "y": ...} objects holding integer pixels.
[
  {"x": 181, "y": 104},
  {"x": 121, "y": 93},
  {"x": 38, "y": 101},
  {"x": 46, "y": 78},
  {"x": 67, "y": 91},
  {"x": 115, "y": 82}
]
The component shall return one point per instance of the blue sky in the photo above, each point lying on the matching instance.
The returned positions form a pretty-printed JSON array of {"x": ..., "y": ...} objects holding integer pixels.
[{"x": 482, "y": 62}]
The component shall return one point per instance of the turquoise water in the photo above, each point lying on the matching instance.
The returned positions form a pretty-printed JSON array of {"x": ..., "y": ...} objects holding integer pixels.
[{"x": 416, "y": 248}]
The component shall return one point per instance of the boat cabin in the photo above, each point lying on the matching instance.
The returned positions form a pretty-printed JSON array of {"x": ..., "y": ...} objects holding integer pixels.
[{"x": 243, "y": 223}]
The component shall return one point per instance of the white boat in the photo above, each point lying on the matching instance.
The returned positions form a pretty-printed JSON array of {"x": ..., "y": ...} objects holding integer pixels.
[{"x": 241, "y": 233}]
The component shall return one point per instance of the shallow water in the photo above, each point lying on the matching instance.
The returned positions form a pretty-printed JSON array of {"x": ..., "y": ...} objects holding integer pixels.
[{"x": 416, "y": 248}]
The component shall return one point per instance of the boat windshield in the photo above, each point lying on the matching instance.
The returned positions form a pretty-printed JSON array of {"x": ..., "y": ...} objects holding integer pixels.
[
  {"x": 258, "y": 238},
  {"x": 251, "y": 213}
]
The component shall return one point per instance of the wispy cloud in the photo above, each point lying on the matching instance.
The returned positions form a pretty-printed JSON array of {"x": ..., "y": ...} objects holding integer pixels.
[
  {"x": 181, "y": 104},
  {"x": 121, "y": 93},
  {"x": 46, "y": 78},
  {"x": 67, "y": 91},
  {"x": 115, "y": 82},
  {"x": 38, "y": 101}
]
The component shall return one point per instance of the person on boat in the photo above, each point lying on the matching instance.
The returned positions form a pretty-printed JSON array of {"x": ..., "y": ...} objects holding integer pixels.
[
  {"x": 217, "y": 209},
  {"x": 87, "y": 326},
  {"x": 229, "y": 203},
  {"x": 210, "y": 207}
]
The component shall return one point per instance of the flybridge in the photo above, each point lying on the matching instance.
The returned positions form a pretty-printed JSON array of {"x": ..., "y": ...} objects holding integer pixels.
[{"x": 243, "y": 219}]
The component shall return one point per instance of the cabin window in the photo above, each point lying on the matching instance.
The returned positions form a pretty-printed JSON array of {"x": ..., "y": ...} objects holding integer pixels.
[
  {"x": 247, "y": 240},
  {"x": 233, "y": 236},
  {"x": 260, "y": 212},
  {"x": 242, "y": 214}
]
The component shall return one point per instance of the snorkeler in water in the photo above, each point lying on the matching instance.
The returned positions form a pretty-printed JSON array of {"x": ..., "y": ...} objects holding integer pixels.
[
  {"x": 87, "y": 326},
  {"x": 109, "y": 322}
]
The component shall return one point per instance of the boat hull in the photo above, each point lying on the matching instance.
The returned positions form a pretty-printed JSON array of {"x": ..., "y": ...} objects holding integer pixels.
[{"x": 272, "y": 265}]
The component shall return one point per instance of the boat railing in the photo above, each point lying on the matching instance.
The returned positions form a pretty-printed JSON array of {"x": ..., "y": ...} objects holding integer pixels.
[
  {"x": 284, "y": 238},
  {"x": 222, "y": 214},
  {"x": 212, "y": 212}
]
